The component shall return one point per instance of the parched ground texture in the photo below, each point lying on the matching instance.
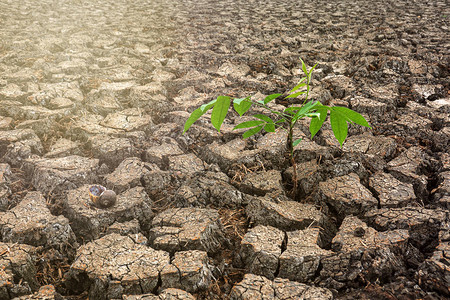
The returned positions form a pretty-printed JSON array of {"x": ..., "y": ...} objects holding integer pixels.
[{"x": 97, "y": 92}]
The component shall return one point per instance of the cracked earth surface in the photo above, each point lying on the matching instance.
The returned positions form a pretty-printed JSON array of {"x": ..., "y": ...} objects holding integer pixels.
[{"x": 97, "y": 92}]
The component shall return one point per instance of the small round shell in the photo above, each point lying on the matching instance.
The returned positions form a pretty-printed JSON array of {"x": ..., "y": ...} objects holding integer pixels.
[
  {"x": 107, "y": 199},
  {"x": 95, "y": 192}
]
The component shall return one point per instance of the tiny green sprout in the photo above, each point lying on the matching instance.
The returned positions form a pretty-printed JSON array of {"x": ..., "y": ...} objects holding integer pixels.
[{"x": 285, "y": 119}]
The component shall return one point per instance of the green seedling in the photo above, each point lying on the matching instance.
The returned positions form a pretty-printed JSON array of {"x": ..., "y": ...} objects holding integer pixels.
[{"x": 285, "y": 119}]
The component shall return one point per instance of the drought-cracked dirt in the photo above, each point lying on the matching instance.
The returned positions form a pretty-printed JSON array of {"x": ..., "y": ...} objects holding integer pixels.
[{"x": 97, "y": 92}]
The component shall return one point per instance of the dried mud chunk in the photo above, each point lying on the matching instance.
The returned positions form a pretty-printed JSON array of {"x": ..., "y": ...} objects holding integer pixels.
[
  {"x": 339, "y": 85},
  {"x": 42, "y": 127},
  {"x": 102, "y": 102},
  {"x": 411, "y": 124},
  {"x": 48, "y": 91},
  {"x": 158, "y": 184},
  {"x": 422, "y": 92},
  {"x": 167, "y": 294},
  {"x": 111, "y": 150},
  {"x": 370, "y": 145},
  {"x": 5, "y": 191},
  {"x": 369, "y": 106},
  {"x": 128, "y": 174},
  {"x": 273, "y": 147},
  {"x": 17, "y": 261},
  {"x": 230, "y": 154},
  {"x": 261, "y": 249},
  {"x": 390, "y": 191},
  {"x": 60, "y": 102},
  {"x": 198, "y": 134},
  {"x": 12, "y": 92},
  {"x": 434, "y": 273},
  {"x": 187, "y": 229},
  {"x": 46, "y": 292},
  {"x": 261, "y": 183},
  {"x": 209, "y": 189},
  {"x": 189, "y": 97},
  {"x": 31, "y": 222},
  {"x": 230, "y": 69},
  {"x": 19, "y": 144},
  {"x": 407, "y": 167},
  {"x": 159, "y": 154},
  {"x": 10, "y": 108},
  {"x": 325, "y": 137},
  {"x": 125, "y": 228},
  {"x": 300, "y": 261},
  {"x": 254, "y": 287},
  {"x": 88, "y": 222},
  {"x": 188, "y": 271},
  {"x": 63, "y": 147},
  {"x": 346, "y": 195},
  {"x": 5, "y": 123},
  {"x": 308, "y": 150},
  {"x": 31, "y": 112},
  {"x": 115, "y": 265},
  {"x": 175, "y": 294},
  {"x": 54, "y": 175},
  {"x": 118, "y": 89},
  {"x": 128, "y": 120},
  {"x": 385, "y": 93},
  {"x": 441, "y": 139},
  {"x": 288, "y": 215},
  {"x": 362, "y": 251},
  {"x": 87, "y": 126},
  {"x": 186, "y": 164},
  {"x": 75, "y": 66},
  {"x": 152, "y": 95},
  {"x": 442, "y": 192},
  {"x": 347, "y": 164},
  {"x": 423, "y": 224},
  {"x": 417, "y": 66}
]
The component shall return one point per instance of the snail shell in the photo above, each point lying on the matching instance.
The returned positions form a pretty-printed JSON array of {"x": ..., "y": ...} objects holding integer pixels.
[{"x": 107, "y": 199}]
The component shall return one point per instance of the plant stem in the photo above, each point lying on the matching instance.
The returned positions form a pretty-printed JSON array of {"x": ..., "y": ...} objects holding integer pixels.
[{"x": 290, "y": 146}]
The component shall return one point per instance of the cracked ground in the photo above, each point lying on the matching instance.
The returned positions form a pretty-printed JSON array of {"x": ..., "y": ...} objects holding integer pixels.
[{"x": 97, "y": 92}]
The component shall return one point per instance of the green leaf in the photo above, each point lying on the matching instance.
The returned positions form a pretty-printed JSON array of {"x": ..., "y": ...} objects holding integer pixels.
[
  {"x": 248, "y": 124},
  {"x": 299, "y": 85},
  {"x": 296, "y": 142},
  {"x": 339, "y": 126},
  {"x": 316, "y": 123},
  {"x": 309, "y": 75},
  {"x": 270, "y": 98},
  {"x": 241, "y": 106},
  {"x": 263, "y": 117},
  {"x": 311, "y": 70},
  {"x": 305, "y": 109},
  {"x": 295, "y": 94},
  {"x": 351, "y": 115},
  {"x": 304, "y": 66},
  {"x": 220, "y": 111},
  {"x": 280, "y": 121},
  {"x": 270, "y": 127},
  {"x": 252, "y": 131},
  {"x": 195, "y": 115},
  {"x": 292, "y": 109},
  {"x": 207, "y": 106}
]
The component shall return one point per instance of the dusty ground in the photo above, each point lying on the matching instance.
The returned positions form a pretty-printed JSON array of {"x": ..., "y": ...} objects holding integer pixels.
[{"x": 97, "y": 92}]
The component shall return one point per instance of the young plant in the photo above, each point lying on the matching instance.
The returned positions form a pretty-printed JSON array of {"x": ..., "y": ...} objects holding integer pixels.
[{"x": 285, "y": 119}]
